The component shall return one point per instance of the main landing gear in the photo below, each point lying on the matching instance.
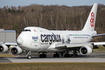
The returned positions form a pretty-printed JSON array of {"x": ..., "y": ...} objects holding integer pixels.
[
  {"x": 56, "y": 55},
  {"x": 74, "y": 55},
  {"x": 43, "y": 55},
  {"x": 66, "y": 55}
]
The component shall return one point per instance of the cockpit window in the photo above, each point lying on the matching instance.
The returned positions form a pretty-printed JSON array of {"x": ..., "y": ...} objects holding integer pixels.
[{"x": 25, "y": 30}]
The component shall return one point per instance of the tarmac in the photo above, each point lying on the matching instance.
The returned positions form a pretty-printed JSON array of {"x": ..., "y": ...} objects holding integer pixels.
[{"x": 94, "y": 57}]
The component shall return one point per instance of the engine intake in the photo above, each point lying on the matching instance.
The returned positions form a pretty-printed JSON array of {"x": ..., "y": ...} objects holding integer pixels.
[
  {"x": 86, "y": 50},
  {"x": 3, "y": 48},
  {"x": 16, "y": 50}
]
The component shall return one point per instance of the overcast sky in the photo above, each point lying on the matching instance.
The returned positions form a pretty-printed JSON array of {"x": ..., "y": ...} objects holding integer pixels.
[{"x": 49, "y": 2}]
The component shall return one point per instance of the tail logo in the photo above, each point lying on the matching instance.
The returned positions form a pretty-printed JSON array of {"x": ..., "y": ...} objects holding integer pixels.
[{"x": 92, "y": 20}]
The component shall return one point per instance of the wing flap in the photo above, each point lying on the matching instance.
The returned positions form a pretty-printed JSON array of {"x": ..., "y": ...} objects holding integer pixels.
[{"x": 71, "y": 45}]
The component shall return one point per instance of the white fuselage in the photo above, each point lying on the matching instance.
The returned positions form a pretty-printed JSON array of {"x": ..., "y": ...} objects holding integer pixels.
[{"x": 41, "y": 39}]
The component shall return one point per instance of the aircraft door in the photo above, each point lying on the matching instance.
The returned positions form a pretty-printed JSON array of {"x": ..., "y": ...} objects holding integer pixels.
[{"x": 66, "y": 39}]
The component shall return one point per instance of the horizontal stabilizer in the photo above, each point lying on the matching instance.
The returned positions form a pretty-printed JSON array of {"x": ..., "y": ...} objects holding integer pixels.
[
  {"x": 98, "y": 43},
  {"x": 99, "y": 35}
]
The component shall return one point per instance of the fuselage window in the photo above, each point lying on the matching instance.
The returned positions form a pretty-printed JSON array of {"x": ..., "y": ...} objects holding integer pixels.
[{"x": 25, "y": 30}]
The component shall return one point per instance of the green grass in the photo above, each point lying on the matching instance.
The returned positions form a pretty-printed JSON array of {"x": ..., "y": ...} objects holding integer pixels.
[
  {"x": 52, "y": 66},
  {"x": 6, "y": 55},
  {"x": 101, "y": 48}
]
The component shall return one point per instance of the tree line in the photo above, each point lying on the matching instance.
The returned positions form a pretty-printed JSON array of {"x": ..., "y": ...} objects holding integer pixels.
[{"x": 53, "y": 17}]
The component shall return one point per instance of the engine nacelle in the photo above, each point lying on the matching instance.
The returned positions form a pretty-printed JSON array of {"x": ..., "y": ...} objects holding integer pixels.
[
  {"x": 85, "y": 50},
  {"x": 16, "y": 50},
  {"x": 3, "y": 48}
]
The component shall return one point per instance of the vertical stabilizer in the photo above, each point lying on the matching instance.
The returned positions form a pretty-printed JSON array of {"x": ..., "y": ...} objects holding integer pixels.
[{"x": 90, "y": 23}]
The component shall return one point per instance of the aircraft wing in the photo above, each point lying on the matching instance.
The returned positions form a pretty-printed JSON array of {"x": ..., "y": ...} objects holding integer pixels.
[
  {"x": 72, "y": 45},
  {"x": 8, "y": 43},
  {"x": 4, "y": 46}
]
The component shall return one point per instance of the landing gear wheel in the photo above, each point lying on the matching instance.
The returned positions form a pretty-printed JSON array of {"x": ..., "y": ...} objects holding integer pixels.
[
  {"x": 56, "y": 55},
  {"x": 45, "y": 55},
  {"x": 29, "y": 57},
  {"x": 74, "y": 55},
  {"x": 42, "y": 56},
  {"x": 67, "y": 55}
]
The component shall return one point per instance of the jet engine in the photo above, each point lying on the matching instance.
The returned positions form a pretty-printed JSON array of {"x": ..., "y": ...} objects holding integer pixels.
[
  {"x": 16, "y": 50},
  {"x": 85, "y": 50},
  {"x": 3, "y": 48}
]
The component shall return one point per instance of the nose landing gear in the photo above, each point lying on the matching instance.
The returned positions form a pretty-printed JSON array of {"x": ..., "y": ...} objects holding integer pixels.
[{"x": 29, "y": 55}]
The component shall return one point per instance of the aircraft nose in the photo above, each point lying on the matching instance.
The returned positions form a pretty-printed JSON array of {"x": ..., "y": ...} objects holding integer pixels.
[{"x": 20, "y": 41}]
